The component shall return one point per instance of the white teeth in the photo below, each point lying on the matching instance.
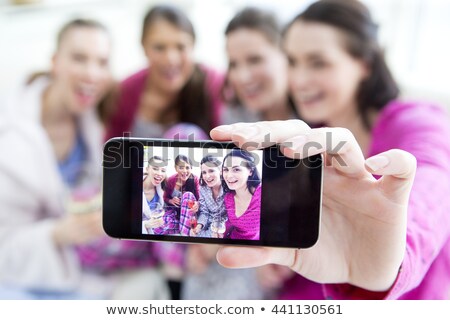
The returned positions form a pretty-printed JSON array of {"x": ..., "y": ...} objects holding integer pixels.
[
  {"x": 87, "y": 90},
  {"x": 170, "y": 72},
  {"x": 305, "y": 98},
  {"x": 251, "y": 89}
]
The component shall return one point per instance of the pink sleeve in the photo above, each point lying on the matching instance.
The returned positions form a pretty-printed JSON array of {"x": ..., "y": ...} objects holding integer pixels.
[
  {"x": 424, "y": 131},
  {"x": 169, "y": 189}
]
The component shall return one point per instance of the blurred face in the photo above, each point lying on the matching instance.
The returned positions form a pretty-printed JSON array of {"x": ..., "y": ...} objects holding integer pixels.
[
  {"x": 156, "y": 174},
  {"x": 235, "y": 174},
  {"x": 323, "y": 76},
  {"x": 81, "y": 68},
  {"x": 170, "y": 52},
  {"x": 210, "y": 174},
  {"x": 184, "y": 170},
  {"x": 257, "y": 70}
]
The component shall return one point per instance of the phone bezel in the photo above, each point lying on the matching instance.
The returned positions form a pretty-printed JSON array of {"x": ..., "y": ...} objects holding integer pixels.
[{"x": 120, "y": 208}]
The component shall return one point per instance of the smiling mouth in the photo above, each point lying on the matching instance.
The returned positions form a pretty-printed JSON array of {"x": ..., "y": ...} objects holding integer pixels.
[
  {"x": 86, "y": 93},
  {"x": 310, "y": 98},
  {"x": 170, "y": 73},
  {"x": 157, "y": 179},
  {"x": 251, "y": 91}
]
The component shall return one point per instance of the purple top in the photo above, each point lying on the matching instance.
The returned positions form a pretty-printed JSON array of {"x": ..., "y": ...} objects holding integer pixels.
[
  {"x": 176, "y": 218},
  {"x": 423, "y": 130},
  {"x": 132, "y": 88},
  {"x": 247, "y": 226}
]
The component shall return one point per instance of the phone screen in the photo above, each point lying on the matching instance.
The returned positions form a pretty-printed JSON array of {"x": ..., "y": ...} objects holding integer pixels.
[{"x": 210, "y": 192}]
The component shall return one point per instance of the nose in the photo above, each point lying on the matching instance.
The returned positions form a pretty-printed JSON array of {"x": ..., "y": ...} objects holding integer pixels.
[
  {"x": 93, "y": 72},
  {"x": 172, "y": 56},
  {"x": 299, "y": 78},
  {"x": 242, "y": 75}
]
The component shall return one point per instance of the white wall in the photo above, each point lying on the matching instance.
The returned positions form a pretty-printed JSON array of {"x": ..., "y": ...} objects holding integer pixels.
[{"x": 415, "y": 34}]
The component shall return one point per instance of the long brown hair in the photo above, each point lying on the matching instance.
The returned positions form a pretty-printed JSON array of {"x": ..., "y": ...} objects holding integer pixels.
[
  {"x": 193, "y": 103},
  {"x": 354, "y": 20}
]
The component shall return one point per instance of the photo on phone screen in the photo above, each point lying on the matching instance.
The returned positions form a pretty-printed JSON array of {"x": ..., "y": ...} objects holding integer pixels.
[
  {"x": 204, "y": 195},
  {"x": 210, "y": 192}
]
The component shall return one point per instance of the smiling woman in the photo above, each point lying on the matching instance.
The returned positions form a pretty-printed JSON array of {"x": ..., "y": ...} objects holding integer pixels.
[{"x": 173, "y": 88}]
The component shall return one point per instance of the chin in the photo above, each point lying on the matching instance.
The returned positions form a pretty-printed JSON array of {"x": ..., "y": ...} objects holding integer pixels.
[
  {"x": 175, "y": 85},
  {"x": 312, "y": 117}
]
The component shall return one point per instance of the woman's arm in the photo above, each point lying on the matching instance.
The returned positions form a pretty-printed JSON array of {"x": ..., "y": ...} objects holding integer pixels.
[
  {"x": 423, "y": 131},
  {"x": 168, "y": 190},
  {"x": 203, "y": 207},
  {"x": 378, "y": 211}
]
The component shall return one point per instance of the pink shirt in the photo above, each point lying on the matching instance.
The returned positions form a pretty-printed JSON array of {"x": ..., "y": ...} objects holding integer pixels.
[
  {"x": 132, "y": 88},
  {"x": 423, "y": 130},
  {"x": 247, "y": 226}
]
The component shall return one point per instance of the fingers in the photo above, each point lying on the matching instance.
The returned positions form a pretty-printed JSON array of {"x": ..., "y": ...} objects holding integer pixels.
[
  {"x": 341, "y": 147},
  {"x": 298, "y": 140},
  {"x": 398, "y": 169},
  {"x": 232, "y": 257},
  {"x": 262, "y": 134}
]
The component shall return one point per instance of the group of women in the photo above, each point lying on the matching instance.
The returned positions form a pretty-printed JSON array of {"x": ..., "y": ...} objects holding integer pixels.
[
  {"x": 385, "y": 237},
  {"x": 224, "y": 202}
]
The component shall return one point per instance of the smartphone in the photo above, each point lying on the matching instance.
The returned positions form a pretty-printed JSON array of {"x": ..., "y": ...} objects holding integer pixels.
[{"x": 210, "y": 192}]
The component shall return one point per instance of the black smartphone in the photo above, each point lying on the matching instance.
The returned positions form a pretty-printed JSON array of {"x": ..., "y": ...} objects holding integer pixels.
[{"x": 210, "y": 192}]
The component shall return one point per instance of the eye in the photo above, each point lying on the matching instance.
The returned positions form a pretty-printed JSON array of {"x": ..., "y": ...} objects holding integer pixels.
[
  {"x": 103, "y": 63},
  {"x": 317, "y": 63},
  {"x": 231, "y": 65},
  {"x": 158, "y": 47},
  {"x": 254, "y": 60},
  {"x": 78, "y": 57},
  {"x": 291, "y": 61}
]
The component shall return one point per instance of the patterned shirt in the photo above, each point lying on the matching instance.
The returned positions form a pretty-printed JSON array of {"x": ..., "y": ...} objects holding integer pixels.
[{"x": 209, "y": 209}]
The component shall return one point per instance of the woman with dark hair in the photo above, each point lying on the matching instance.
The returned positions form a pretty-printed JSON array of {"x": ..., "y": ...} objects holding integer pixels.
[
  {"x": 206, "y": 279},
  {"x": 242, "y": 187},
  {"x": 173, "y": 88},
  {"x": 181, "y": 196},
  {"x": 211, "y": 197},
  {"x": 385, "y": 224},
  {"x": 256, "y": 86}
]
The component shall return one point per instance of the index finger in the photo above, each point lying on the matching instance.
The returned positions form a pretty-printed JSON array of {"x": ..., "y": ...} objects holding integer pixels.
[{"x": 260, "y": 134}]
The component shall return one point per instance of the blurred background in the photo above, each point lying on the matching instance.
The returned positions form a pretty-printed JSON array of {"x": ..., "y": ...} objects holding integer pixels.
[{"x": 415, "y": 35}]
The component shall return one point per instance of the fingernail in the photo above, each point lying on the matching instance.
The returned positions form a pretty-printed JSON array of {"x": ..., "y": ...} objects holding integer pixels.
[
  {"x": 223, "y": 128},
  {"x": 296, "y": 142},
  {"x": 377, "y": 162}
]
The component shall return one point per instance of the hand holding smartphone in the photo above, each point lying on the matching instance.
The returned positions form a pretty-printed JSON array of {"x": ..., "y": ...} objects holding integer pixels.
[{"x": 224, "y": 195}]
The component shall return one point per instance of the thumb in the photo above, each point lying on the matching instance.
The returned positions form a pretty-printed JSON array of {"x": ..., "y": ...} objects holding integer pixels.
[
  {"x": 397, "y": 168},
  {"x": 245, "y": 257}
]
